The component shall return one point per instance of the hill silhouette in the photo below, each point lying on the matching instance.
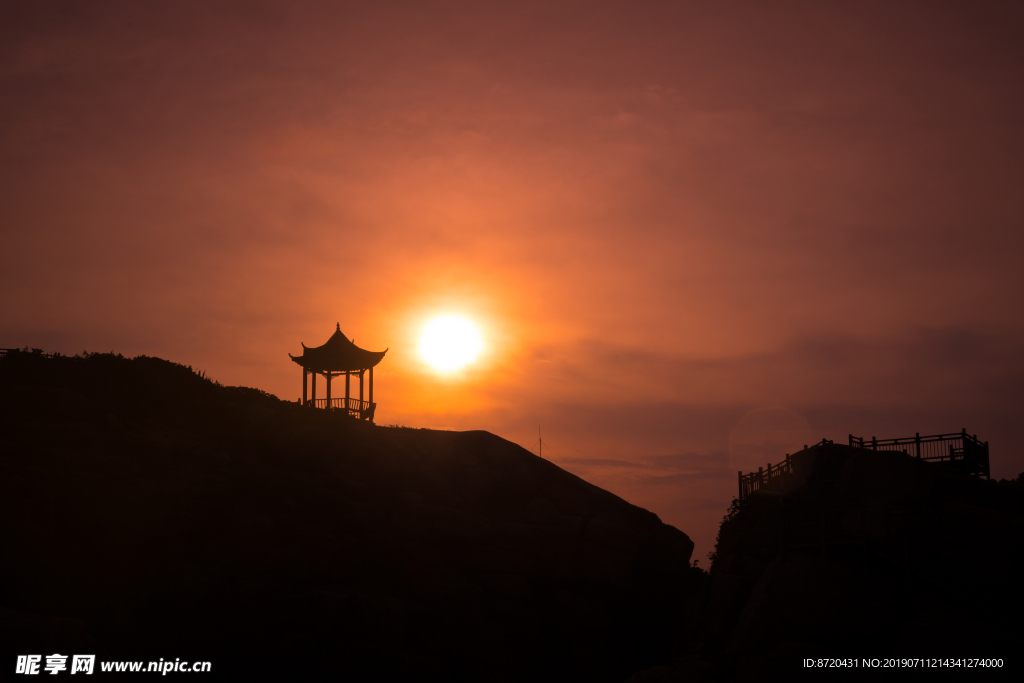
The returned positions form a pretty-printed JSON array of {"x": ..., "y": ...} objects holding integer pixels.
[
  {"x": 149, "y": 512},
  {"x": 859, "y": 554}
]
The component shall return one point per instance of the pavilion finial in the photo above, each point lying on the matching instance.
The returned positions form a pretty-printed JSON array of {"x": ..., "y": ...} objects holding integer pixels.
[{"x": 338, "y": 327}]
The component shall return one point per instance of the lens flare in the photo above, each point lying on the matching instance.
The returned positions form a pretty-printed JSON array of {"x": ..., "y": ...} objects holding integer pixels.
[{"x": 450, "y": 342}]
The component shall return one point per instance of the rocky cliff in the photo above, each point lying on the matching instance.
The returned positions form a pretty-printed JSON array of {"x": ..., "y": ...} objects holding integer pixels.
[
  {"x": 859, "y": 554},
  {"x": 148, "y": 512}
]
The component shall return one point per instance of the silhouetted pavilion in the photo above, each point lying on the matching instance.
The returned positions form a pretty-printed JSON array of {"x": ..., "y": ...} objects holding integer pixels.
[{"x": 339, "y": 356}]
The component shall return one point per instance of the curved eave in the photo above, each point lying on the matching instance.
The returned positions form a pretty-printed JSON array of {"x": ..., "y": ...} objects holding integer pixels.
[{"x": 355, "y": 360}]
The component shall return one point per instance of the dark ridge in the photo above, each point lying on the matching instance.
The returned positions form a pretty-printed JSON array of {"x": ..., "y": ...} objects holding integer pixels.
[
  {"x": 859, "y": 554},
  {"x": 150, "y": 513}
]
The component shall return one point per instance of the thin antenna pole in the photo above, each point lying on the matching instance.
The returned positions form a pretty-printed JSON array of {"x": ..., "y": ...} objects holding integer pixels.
[{"x": 540, "y": 442}]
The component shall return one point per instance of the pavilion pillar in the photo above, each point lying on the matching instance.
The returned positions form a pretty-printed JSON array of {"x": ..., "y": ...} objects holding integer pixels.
[
  {"x": 361, "y": 373},
  {"x": 313, "y": 377},
  {"x": 371, "y": 385},
  {"x": 305, "y": 379},
  {"x": 328, "y": 376},
  {"x": 348, "y": 387}
]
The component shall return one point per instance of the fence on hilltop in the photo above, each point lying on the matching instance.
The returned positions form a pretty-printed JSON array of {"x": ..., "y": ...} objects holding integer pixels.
[{"x": 965, "y": 450}]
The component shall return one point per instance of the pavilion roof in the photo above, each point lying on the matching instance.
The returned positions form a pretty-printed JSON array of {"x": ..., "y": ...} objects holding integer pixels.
[{"x": 337, "y": 355}]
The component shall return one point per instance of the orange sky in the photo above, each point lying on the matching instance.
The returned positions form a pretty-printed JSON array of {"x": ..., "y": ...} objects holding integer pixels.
[{"x": 693, "y": 234}]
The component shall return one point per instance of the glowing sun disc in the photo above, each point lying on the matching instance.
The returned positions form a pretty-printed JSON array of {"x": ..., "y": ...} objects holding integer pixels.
[{"x": 449, "y": 342}]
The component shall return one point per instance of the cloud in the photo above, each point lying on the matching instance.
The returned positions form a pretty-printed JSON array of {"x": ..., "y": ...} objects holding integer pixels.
[{"x": 667, "y": 216}]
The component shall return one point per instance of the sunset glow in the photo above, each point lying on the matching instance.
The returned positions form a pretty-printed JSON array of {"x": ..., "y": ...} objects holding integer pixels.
[
  {"x": 687, "y": 238},
  {"x": 450, "y": 342}
]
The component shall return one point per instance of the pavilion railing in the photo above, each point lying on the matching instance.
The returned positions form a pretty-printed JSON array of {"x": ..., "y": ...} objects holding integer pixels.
[
  {"x": 354, "y": 406},
  {"x": 957, "y": 447}
]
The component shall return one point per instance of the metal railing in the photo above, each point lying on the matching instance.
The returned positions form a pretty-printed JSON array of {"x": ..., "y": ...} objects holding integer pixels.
[
  {"x": 966, "y": 450},
  {"x": 764, "y": 477},
  {"x": 957, "y": 447}
]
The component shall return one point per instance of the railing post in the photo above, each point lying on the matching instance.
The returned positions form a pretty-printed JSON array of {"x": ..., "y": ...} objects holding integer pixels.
[{"x": 874, "y": 444}]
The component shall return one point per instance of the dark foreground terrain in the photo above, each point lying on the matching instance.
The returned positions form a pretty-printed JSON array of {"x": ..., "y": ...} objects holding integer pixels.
[
  {"x": 146, "y": 513},
  {"x": 861, "y": 554}
]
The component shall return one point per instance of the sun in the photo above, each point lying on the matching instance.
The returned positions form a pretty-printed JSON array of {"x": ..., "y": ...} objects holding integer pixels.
[{"x": 450, "y": 342}]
